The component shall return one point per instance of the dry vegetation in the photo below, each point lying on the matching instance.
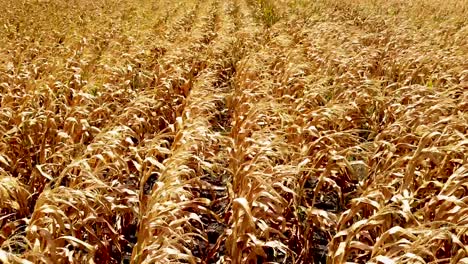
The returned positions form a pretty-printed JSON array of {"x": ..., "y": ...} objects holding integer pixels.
[{"x": 237, "y": 131}]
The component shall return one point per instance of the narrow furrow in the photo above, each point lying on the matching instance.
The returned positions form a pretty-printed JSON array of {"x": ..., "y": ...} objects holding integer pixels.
[
  {"x": 213, "y": 174},
  {"x": 197, "y": 162},
  {"x": 216, "y": 180},
  {"x": 254, "y": 219},
  {"x": 166, "y": 210}
]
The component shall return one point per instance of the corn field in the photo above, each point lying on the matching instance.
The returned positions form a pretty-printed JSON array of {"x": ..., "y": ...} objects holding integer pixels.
[{"x": 233, "y": 131}]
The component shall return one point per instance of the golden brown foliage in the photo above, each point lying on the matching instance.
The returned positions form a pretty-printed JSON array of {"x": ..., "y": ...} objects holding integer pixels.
[{"x": 240, "y": 131}]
